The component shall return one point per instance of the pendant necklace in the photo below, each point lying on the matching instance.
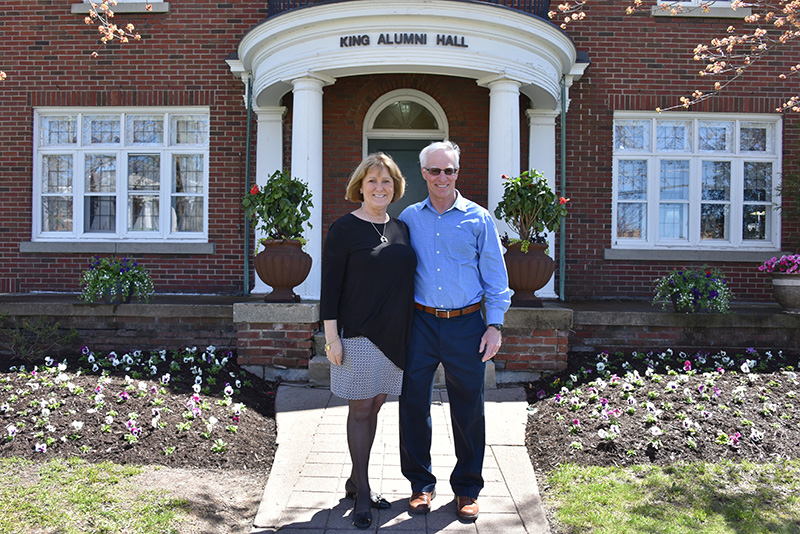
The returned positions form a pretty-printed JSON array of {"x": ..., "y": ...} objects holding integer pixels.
[{"x": 383, "y": 235}]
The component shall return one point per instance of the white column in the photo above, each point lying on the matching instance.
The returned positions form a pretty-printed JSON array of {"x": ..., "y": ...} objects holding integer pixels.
[
  {"x": 269, "y": 158},
  {"x": 542, "y": 157},
  {"x": 504, "y": 143},
  {"x": 307, "y": 166}
]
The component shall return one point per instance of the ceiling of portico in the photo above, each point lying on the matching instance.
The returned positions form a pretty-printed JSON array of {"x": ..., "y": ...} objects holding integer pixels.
[{"x": 478, "y": 41}]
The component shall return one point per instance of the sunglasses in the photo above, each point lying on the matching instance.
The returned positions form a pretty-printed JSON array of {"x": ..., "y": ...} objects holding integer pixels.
[{"x": 435, "y": 171}]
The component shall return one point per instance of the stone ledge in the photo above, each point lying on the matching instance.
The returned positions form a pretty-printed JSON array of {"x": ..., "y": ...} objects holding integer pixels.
[
  {"x": 82, "y": 309},
  {"x": 115, "y": 247},
  {"x": 550, "y": 317},
  {"x": 300, "y": 312},
  {"x": 692, "y": 320},
  {"x": 717, "y": 12},
  {"x": 679, "y": 254},
  {"x": 126, "y": 7}
]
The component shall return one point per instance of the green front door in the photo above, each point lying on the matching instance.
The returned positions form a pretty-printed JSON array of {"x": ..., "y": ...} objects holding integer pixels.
[{"x": 405, "y": 153}]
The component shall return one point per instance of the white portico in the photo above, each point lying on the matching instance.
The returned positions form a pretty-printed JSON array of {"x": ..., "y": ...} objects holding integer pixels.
[{"x": 305, "y": 50}]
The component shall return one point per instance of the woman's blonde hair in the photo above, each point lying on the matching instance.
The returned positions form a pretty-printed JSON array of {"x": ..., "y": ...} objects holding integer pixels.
[{"x": 382, "y": 161}]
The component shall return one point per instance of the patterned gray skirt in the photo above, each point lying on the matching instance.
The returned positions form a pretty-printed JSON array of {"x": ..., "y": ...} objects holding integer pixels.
[{"x": 365, "y": 371}]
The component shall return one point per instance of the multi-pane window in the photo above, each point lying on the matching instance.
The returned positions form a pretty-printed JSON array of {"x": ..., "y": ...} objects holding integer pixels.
[
  {"x": 138, "y": 174},
  {"x": 696, "y": 181}
]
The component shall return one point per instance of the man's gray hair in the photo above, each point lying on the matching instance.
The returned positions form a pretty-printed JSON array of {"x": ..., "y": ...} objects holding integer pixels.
[{"x": 439, "y": 145}]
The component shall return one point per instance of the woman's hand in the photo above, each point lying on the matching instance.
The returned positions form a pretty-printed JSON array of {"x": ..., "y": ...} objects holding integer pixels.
[
  {"x": 334, "y": 351},
  {"x": 333, "y": 344}
]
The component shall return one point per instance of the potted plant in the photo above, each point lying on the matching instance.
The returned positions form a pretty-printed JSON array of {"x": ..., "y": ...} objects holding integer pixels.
[
  {"x": 116, "y": 280},
  {"x": 694, "y": 289},
  {"x": 279, "y": 209},
  {"x": 785, "y": 273},
  {"x": 530, "y": 208}
]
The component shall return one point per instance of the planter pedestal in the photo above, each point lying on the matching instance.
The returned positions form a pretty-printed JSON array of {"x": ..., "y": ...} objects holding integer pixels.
[
  {"x": 282, "y": 265},
  {"x": 786, "y": 290},
  {"x": 528, "y": 273}
]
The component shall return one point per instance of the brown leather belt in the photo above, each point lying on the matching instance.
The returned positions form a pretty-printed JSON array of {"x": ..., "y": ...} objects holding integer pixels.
[{"x": 448, "y": 314}]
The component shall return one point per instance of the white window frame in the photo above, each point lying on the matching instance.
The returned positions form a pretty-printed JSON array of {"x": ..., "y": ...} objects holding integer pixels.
[
  {"x": 691, "y": 8},
  {"x": 387, "y": 99},
  {"x": 78, "y": 151},
  {"x": 125, "y": 6},
  {"x": 652, "y": 156},
  {"x": 691, "y": 3}
]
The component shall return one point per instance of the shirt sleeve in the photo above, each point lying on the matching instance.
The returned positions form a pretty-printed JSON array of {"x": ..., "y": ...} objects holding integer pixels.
[
  {"x": 334, "y": 260},
  {"x": 494, "y": 277}
]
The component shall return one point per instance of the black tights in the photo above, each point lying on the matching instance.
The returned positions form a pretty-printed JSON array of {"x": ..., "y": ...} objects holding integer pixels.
[{"x": 362, "y": 422}]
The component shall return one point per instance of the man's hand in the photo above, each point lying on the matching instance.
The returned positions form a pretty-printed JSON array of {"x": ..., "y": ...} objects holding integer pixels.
[{"x": 490, "y": 343}]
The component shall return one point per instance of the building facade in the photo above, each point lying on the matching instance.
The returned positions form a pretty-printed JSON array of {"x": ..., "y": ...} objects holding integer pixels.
[{"x": 144, "y": 151}]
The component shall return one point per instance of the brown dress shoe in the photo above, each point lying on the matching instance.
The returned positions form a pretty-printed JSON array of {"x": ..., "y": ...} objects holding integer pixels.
[
  {"x": 420, "y": 502},
  {"x": 467, "y": 508}
]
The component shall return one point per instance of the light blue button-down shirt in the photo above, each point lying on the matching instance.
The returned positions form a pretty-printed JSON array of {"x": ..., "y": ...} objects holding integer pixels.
[{"x": 459, "y": 257}]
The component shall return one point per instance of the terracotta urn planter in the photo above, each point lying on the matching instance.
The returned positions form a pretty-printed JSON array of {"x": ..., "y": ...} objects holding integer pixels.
[
  {"x": 786, "y": 290},
  {"x": 283, "y": 265},
  {"x": 528, "y": 273}
]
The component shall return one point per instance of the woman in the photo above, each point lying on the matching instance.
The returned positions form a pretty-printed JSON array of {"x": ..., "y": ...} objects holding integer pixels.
[{"x": 367, "y": 308}]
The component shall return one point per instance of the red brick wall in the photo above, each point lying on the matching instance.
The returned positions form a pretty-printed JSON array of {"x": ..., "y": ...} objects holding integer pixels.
[
  {"x": 639, "y": 63},
  {"x": 346, "y": 103},
  {"x": 46, "y": 52},
  {"x": 589, "y": 340},
  {"x": 268, "y": 344},
  {"x": 533, "y": 350},
  {"x": 126, "y": 327}
]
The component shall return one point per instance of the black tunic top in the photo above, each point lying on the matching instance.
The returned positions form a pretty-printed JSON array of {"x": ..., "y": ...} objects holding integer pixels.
[{"x": 368, "y": 286}]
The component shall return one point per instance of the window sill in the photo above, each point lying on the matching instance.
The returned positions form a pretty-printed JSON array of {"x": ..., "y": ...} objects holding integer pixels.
[
  {"x": 50, "y": 247},
  {"x": 694, "y": 11},
  {"x": 667, "y": 255},
  {"x": 125, "y": 7}
]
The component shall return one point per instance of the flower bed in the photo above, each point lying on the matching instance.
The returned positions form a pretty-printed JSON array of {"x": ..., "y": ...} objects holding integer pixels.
[
  {"x": 666, "y": 407},
  {"x": 186, "y": 408}
]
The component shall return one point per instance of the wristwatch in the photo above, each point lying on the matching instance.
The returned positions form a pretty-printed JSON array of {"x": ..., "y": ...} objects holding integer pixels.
[{"x": 498, "y": 326}]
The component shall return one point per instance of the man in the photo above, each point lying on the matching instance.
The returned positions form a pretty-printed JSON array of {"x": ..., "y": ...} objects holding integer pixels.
[{"x": 459, "y": 263}]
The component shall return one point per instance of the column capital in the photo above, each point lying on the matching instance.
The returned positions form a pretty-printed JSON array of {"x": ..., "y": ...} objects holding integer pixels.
[
  {"x": 542, "y": 117},
  {"x": 499, "y": 82},
  {"x": 312, "y": 81},
  {"x": 269, "y": 112}
]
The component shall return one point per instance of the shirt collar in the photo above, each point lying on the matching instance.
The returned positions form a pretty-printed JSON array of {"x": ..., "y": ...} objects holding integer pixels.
[{"x": 460, "y": 204}]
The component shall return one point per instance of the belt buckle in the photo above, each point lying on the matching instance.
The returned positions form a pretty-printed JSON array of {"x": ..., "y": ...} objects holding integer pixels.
[{"x": 442, "y": 311}]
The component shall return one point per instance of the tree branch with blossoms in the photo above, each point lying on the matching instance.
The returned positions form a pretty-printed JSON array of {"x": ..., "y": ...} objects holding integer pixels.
[
  {"x": 777, "y": 22},
  {"x": 101, "y": 13}
]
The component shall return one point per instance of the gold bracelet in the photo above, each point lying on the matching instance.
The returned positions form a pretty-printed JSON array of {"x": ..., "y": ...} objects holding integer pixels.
[{"x": 328, "y": 344}]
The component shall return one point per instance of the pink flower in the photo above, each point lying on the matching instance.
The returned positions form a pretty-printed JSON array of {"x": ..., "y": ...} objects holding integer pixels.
[{"x": 687, "y": 365}]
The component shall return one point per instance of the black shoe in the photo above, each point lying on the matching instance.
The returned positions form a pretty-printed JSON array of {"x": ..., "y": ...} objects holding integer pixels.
[
  {"x": 361, "y": 520},
  {"x": 378, "y": 502}
]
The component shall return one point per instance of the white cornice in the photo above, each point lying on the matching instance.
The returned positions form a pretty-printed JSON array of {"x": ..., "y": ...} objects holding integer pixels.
[{"x": 493, "y": 41}]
